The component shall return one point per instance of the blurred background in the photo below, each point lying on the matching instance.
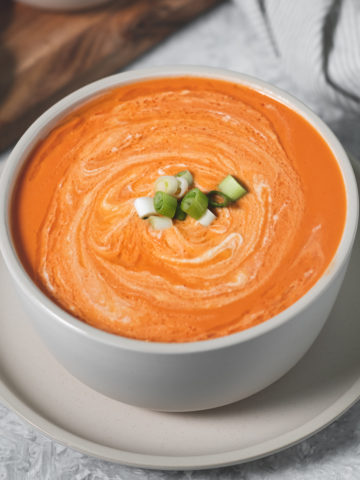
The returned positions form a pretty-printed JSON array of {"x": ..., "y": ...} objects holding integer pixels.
[{"x": 309, "y": 48}]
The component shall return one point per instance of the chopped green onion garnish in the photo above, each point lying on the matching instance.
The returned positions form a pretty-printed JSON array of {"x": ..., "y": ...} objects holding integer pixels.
[
  {"x": 167, "y": 184},
  {"x": 160, "y": 223},
  {"x": 165, "y": 204},
  {"x": 194, "y": 203},
  {"x": 187, "y": 175},
  {"x": 179, "y": 214},
  {"x": 173, "y": 200},
  {"x": 232, "y": 188},
  {"x": 218, "y": 199}
]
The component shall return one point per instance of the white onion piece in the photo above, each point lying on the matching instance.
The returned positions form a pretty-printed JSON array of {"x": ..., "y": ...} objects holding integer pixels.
[
  {"x": 160, "y": 223},
  {"x": 183, "y": 186},
  {"x": 207, "y": 218},
  {"x": 144, "y": 207},
  {"x": 167, "y": 184}
]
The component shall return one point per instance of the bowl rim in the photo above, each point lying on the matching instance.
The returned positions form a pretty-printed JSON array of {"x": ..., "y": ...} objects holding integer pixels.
[{"x": 43, "y": 125}]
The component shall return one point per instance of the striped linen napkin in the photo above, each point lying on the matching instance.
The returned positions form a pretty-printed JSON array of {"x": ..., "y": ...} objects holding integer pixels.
[{"x": 317, "y": 43}]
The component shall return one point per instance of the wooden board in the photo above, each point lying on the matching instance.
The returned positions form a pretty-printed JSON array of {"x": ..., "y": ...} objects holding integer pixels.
[{"x": 45, "y": 55}]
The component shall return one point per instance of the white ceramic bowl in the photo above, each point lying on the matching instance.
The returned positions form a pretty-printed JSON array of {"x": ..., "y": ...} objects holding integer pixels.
[{"x": 185, "y": 376}]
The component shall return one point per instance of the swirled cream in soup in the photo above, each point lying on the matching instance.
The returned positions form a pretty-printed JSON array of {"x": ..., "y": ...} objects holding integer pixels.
[{"x": 79, "y": 237}]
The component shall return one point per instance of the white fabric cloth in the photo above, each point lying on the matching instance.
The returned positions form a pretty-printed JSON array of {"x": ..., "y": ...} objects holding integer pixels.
[{"x": 317, "y": 43}]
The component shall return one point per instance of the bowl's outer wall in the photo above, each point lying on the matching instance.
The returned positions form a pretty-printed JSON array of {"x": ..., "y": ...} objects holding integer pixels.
[{"x": 186, "y": 381}]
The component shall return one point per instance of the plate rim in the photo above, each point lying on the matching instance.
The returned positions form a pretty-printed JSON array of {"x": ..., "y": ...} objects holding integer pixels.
[{"x": 181, "y": 462}]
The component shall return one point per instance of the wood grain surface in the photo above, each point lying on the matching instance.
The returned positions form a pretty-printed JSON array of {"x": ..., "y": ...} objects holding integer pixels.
[{"x": 45, "y": 55}]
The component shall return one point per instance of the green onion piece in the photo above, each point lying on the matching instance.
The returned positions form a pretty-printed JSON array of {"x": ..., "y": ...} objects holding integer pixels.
[
  {"x": 232, "y": 188},
  {"x": 165, "y": 204},
  {"x": 160, "y": 223},
  {"x": 187, "y": 175},
  {"x": 218, "y": 199},
  {"x": 144, "y": 207},
  {"x": 207, "y": 218},
  {"x": 183, "y": 187},
  {"x": 167, "y": 184},
  {"x": 195, "y": 203},
  {"x": 180, "y": 214}
]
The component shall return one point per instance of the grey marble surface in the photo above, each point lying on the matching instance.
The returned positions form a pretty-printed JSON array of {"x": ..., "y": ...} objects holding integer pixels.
[{"x": 224, "y": 38}]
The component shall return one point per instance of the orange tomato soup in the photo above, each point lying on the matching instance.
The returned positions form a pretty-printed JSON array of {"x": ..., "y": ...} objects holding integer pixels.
[{"x": 79, "y": 237}]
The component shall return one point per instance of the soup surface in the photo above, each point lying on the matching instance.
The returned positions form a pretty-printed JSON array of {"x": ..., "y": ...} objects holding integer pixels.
[{"x": 79, "y": 237}]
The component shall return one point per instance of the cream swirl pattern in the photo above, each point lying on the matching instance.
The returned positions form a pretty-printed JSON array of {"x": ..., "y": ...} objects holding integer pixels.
[{"x": 98, "y": 260}]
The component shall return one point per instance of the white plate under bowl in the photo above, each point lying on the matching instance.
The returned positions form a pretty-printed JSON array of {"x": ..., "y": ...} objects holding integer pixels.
[{"x": 324, "y": 384}]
